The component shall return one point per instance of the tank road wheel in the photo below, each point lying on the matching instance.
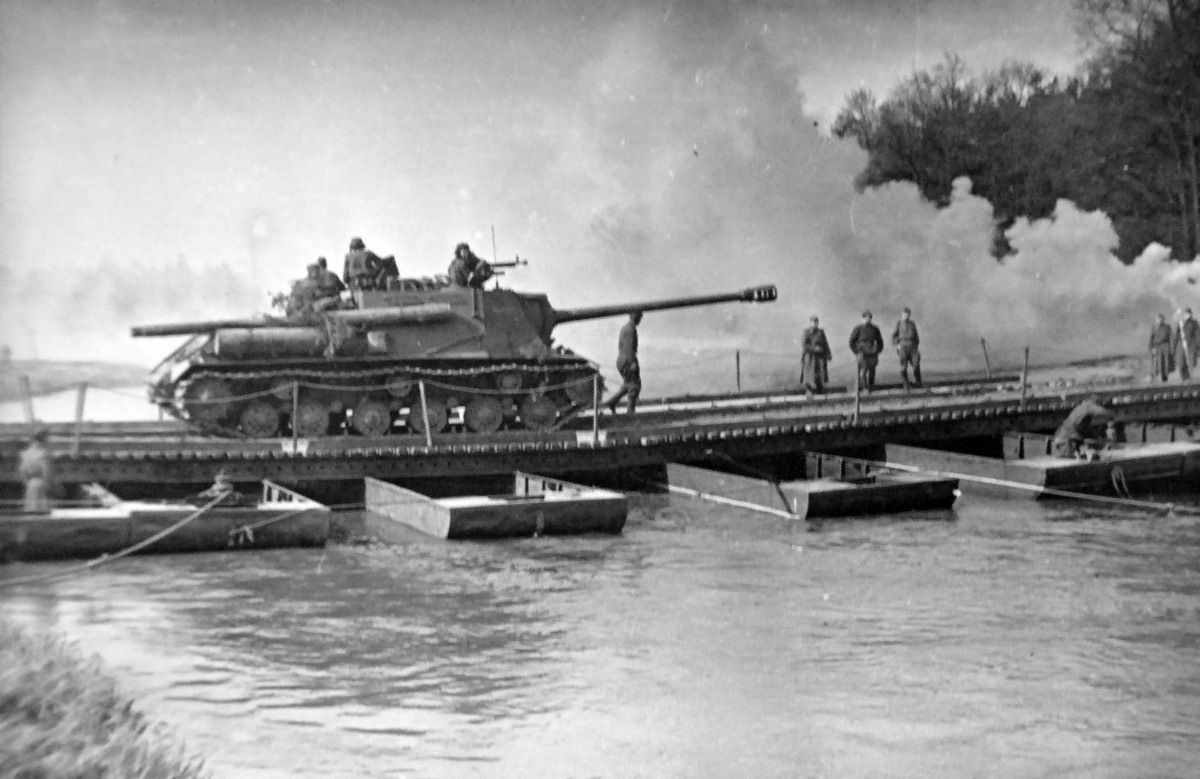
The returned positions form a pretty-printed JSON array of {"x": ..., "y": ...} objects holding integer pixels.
[
  {"x": 259, "y": 419},
  {"x": 312, "y": 419},
  {"x": 438, "y": 417},
  {"x": 372, "y": 417},
  {"x": 206, "y": 400},
  {"x": 508, "y": 381},
  {"x": 579, "y": 388},
  {"x": 484, "y": 415},
  {"x": 538, "y": 412}
]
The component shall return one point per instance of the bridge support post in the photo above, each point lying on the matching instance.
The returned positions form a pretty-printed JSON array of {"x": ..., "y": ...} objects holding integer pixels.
[
  {"x": 425, "y": 415},
  {"x": 596, "y": 409},
  {"x": 1024, "y": 378},
  {"x": 80, "y": 398}
]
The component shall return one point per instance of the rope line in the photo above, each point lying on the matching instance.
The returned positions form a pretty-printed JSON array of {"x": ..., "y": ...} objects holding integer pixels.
[{"x": 107, "y": 558}]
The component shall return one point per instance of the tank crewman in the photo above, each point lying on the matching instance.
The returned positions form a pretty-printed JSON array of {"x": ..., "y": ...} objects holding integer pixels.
[
  {"x": 1160, "y": 349},
  {"x": 1187, "y": 344},
  {"x": 329, "y": 287},
  {"x": 467, "y": 270},
  {"x": 814, "y": 368},
  {"x": 627, "y": 364},
  {"x": 866, "y": 342},
  {"x": 907, "y": 343},
  {"x": 1083, "y": 426},
  {"x": 36, "y": 470},
  {"x": 362, "y": 266},
  {"x": 304, "y": 292}
]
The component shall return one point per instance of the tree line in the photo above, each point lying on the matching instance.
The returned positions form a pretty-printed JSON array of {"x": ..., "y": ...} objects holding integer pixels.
[{"x": 1121, "y": 135}]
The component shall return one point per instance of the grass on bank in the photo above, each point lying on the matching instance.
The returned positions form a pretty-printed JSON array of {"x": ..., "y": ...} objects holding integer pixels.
[{"x": 62, "y": 716}]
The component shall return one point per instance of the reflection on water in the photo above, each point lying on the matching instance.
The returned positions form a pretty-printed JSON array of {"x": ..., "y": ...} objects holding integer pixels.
[{"x": 1003, "y": 639}]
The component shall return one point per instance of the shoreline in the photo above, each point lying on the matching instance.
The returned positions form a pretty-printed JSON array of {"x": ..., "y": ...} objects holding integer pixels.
[{"x": 61, "y": 714}]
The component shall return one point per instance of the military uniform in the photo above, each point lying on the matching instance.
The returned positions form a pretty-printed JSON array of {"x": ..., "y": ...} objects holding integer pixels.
[
  {"x": 1079, "y": 426},
  {"x": 628, "y": 367},
  {"x": 814, "y": 370},
  {"x": 866, "y": 342},
  {"x": 1160, "y": 350},
  {"x": 469, "y": 271},
  {"x": 1187, "y": 345},
  {"x": 907, "y": 343},
  {"x": 36, "y": 470}
]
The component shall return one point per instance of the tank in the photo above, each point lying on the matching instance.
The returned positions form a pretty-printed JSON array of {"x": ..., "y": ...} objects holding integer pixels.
[{"x": 409, "y": 357}]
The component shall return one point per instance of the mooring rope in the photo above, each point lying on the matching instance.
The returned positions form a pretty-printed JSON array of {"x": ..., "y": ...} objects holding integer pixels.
[{"x": 108, "y": 558}]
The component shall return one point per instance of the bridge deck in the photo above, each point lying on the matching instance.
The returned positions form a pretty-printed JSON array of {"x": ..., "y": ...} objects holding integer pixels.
[{"x": 774, "y": 425}]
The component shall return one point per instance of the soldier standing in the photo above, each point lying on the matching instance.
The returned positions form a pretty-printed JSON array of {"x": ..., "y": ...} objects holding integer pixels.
[
  {"x": 627, "y": 364},
  {"x": 1187, "y": 344},
  {"x": 36, "y": 470},
  {"x": 304, "y": 292},
  {"x": 362, "y": 266},
  {"x": 907, "y": 343},
  {"x": 1160, "y": 349},
  {"x": 866, "y": 342},
  {"x": 814, "y": 369},
  {"x": 467, "y": 270}
]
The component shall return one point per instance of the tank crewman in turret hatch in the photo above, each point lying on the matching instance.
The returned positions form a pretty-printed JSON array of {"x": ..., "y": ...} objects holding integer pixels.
[
  {"x": 1082, "y": 428},
  {"x": 467, "y": 270},
  {"x": 329, "y": 287},
  {"x": 814, "y": 368},
  {"x": 362, "y": 266},
  {"x": 627, "y": 364},
  {"x": 866, "y": 342},
  {"x": 1187, "y": 343},
  {"x": 1160, "y": 349},
  {"x": 907, "y": 344}
]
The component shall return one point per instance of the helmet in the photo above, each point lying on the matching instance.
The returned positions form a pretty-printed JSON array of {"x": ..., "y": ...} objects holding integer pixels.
[
  {"x": 357, "y": 243},
  {"x": 460, "y": 248}
]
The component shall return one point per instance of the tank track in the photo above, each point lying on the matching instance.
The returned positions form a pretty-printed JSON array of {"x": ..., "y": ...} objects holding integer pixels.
[{"x": 315, "y": 402}]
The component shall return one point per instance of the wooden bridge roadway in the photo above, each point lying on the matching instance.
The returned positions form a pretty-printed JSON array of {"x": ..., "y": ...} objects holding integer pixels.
[{"x": 690, "y": 429}]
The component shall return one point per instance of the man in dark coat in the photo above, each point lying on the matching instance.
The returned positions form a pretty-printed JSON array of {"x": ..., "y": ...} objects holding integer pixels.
[
  {"x": 467, "y": 270},
  {"x": 814, "y": 370},
  {"x": 866, "y": 342},
  {"x": 329, "y": 287},
  {"x": 1160, "y": 348},
  {"x": 1082, "y": 426},
  {"x": 362, "y": 266},
  {"x": 627, "y": 364},
  {"x": 1187, "y": 344},
  {"x": 907, "y": 343}
]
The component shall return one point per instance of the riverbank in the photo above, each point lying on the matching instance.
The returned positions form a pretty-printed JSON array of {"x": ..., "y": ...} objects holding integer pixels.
[
  {"x": 61, "y": 715},
  {"x": 49, "y": 376}
]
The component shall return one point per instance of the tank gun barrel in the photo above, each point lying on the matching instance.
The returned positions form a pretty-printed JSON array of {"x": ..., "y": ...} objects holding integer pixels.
[
  {"x": 369, "y": 319},
  {"x": 763, "y": 294}
]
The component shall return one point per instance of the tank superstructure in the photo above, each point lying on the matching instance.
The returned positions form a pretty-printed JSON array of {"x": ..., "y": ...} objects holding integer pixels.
[{"x": 489, "y": 352}]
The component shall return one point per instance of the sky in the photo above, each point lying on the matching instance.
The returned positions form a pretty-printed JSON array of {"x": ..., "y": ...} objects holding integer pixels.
[{"x": 169, "y": 159}]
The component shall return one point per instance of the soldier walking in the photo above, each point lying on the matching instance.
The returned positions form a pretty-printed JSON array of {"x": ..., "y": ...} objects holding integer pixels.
[
  {"x": 907, "y": 343},
  {"x": 866, "y": 342},
  {"x": 814, "y": 368},
  {"x": 627, "y": 365},
  {"x": 1160, "y": 349}
]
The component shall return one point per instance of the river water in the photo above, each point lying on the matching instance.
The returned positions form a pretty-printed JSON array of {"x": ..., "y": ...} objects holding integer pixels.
[{"x": 996, "y": 640}]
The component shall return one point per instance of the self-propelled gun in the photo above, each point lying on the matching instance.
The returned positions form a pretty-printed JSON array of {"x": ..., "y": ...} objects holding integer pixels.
[{"x": 413, "y": 353}]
